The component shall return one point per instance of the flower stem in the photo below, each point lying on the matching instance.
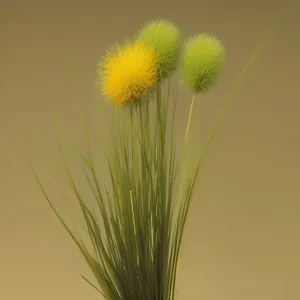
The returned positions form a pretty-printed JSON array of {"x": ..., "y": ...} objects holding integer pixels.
[{"x": 189, "y": 119}]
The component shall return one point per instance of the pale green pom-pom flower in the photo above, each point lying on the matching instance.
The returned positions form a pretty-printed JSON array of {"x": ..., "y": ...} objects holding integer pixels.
[
  {"x": 165, "y": 39},
  {"x": 203, "y": 59}
]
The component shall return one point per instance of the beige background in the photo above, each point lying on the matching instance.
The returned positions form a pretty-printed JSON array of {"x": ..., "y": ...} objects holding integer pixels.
[{"x": 243, "y": 235}]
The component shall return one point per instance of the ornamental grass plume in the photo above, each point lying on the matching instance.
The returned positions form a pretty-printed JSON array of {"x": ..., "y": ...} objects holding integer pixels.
[
  {"x": 165, "y": 39},
  {"x": 202, "y": 62},
  {"x": 143, "y": 210},
  {"x": 203, "y": 59},
  {"x": 127, "y": 73}
]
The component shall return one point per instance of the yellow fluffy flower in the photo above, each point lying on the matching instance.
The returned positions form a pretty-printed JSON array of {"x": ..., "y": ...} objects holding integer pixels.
[{"x": 128, "y": 73}]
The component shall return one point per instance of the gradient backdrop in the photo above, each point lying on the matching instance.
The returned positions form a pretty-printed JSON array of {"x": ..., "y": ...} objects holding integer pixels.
[{"x": 243, "y": 234}]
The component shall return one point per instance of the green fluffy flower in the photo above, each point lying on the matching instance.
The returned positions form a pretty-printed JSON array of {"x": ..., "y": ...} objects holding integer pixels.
[
  {"x": 203, "y": 58},
  {"x": 165, "y": 39}
]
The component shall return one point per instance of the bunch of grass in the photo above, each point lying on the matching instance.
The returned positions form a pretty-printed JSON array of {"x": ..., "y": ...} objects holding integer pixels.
[{"x": 145, "y": 207}]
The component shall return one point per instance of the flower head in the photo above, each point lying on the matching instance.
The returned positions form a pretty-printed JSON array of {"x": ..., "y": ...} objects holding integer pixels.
[
  {"x": 165, "y": 39},
  {"x": 202, "y": 62},
  {"x": 128, "y": 73}
]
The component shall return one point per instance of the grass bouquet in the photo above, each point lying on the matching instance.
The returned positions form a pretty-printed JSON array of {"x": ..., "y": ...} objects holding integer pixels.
[{"x": 136, "y": 223}]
